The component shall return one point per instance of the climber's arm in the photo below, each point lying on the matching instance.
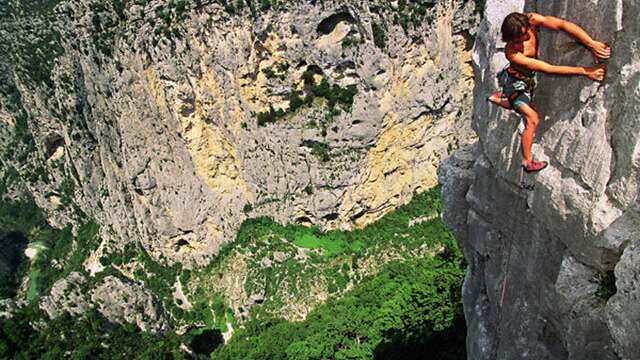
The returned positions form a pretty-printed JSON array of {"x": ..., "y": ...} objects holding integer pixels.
[
  {"x": 599, "y": 49},
  {"x": 517, "y": 58}
]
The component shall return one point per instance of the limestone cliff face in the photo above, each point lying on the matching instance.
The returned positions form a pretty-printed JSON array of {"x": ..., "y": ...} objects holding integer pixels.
[
  {"x": 148, "y": 118},
  {"x": 553, "y": 272}
]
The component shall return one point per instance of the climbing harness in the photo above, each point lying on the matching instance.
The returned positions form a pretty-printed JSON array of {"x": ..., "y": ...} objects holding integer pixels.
[
  {"x": 523, "y": 83},
  {"x": 528, "y": 79}
]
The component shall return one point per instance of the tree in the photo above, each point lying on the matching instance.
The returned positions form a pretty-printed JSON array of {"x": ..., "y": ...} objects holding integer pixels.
[{"x": 378, "y": 35}]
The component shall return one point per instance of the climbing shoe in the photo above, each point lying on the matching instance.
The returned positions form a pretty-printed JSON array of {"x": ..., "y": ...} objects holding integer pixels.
[{"x": 533, "y": 166}]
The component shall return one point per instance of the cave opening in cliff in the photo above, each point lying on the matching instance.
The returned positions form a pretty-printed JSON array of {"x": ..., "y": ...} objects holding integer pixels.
[{"x": 327, "y": 25}]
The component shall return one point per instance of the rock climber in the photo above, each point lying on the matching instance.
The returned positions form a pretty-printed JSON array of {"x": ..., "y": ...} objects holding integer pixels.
[{"x": 519, "y": 31}]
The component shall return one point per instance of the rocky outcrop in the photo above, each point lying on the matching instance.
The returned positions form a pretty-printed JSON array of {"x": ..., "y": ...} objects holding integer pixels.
[
  {"x": 553, "y": 271},
  {"x": 66, "y": 296},
  {"x": 121, "y": 302},
  {"x": 149, "y": 120},
  {"x": 9, "y": 306}
]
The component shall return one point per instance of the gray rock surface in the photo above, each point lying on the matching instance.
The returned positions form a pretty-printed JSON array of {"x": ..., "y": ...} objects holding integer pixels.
[
  {"x": 151, "y": 129},
  {"x": 9, "y": 306},
  {"x": 553, "y": 272},
  {"x": 66, "y": 296},
  {"x": 121, "y": 302}
]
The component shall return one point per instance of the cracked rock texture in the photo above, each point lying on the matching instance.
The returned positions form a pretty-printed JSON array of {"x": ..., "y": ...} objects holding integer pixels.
[
  {"x": 153, "y": 131},
  {"x": 66, "y": 296},
  {"x": 553, "y": 273},
  {"x": 121, "y": 302}
]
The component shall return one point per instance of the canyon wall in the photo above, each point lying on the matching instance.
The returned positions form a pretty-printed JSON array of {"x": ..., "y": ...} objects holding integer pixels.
[
  {"x": 553, "y": 272},
  {"x": 172, "y": 122}
]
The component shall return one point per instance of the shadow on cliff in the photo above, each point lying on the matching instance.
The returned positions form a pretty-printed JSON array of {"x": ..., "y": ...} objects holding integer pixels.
[
  {"x": 12, "y": 248},
  {"x": 446, "y": 345},
  {"x": 205, "y": 343}
]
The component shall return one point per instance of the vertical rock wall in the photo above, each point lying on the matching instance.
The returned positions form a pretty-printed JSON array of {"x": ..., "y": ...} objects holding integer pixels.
[{"x": 553, "y": 272}]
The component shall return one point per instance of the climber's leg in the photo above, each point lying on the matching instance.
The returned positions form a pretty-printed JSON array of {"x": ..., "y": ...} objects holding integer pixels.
[
  {"x": 499, "y": 99},
  {"x": 532, "y": 120}
]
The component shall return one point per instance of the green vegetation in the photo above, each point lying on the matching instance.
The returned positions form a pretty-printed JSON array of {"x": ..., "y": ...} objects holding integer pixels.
[
  {"x": 278, "y": 71},
  {"x": 350, "y": 41},
  {"x": 13, "y": 264},
  {"x": 376, "y": 305},
  {"x": 269, "y": 73},
  {"x": 119, "y": 7},
  {"x": 295, "y": 101},
  {"x": 105, "y": 27},
  {"x": 90, "y": 336},
  {"x": 407, "y": 305},
  {"x": 66, "y": 190},
  {"x": 247, "y": 208},
  {"x": 23, "y": 219},
  {"x": 379, "y": 37},
  {"x": 412, "y": 302},
  {"x": 308, "y": 189},
  {"x": 166, "y": 21},
  {"x": 270, "y": 116},
  {"x": 169, "y": 18},
  {"x": 32, "y": 7},
  {"x": 413, "y": 14},
  {"x": 334, "y": 95},
  {"x": 320, "y": 150},
  {"x": 21, "y": 144},
  {"x": 331, "y": 259},
  {"x": 209, "y": 312},
  {"x": 330, "y": 248},
  {"x": 158, "y": 278},
  {"x": 38, "y": 56},
  {"x": 36, "y": 47}
]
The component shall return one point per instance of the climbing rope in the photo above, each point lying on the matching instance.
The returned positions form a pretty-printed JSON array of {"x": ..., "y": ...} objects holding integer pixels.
[{"x": 506, "y": 277}]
